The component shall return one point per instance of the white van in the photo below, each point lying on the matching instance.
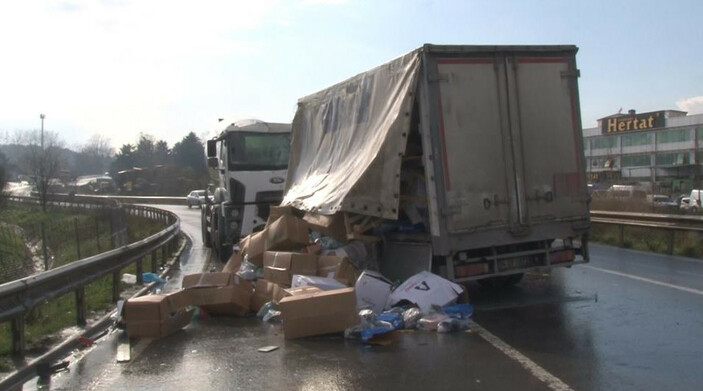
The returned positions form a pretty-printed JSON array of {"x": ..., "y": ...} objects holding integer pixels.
[
  {"x": 695, "y": 200},
  {"x": 626, "y": 192}
]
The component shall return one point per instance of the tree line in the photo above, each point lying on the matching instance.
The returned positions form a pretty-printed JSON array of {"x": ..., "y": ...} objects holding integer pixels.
[{"x": 148, "y": 166}]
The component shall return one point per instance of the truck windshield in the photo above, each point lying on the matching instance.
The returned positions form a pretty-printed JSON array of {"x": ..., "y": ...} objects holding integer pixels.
[{"x": 258, "y": 151}]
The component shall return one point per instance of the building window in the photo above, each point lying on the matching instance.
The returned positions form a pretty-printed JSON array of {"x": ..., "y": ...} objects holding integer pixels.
[
  {"x": 604, "y": 142},
  {"x": 699, "y": 157},
  {"x": 673, "y": 136},
  {"x": 635, "y": 160},
  {"x": 631, "y": 140},
  {"x": 672, "y": 159}
]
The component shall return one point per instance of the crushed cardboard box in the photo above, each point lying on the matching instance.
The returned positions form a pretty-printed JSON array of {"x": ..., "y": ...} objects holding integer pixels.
[
  {"x": 288, "y": 233},
  {"x": 156, "y": 316},
  {"x": 279, "y": 267},
  {"x": 233, "y": 264},
  {"x": 318, "y": 313},
  {"x": 425, "y": 289},
  {"x": 219, "y": 293},
  {"x": 327, "y": 225},
  {"x": 277, "y": 211},
  {"x": 263, "y": 293},
  {"x": 337, "y": 267},
  {"x": 253, "y": 247},
  {"x": 372, "y": 291}
]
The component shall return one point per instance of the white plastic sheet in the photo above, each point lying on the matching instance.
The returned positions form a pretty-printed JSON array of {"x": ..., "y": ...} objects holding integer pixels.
[{"x": 348, "y": 141}]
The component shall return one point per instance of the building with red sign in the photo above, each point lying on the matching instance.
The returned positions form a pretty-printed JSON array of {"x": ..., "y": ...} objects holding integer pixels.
[{"x": 660, "y": 150}]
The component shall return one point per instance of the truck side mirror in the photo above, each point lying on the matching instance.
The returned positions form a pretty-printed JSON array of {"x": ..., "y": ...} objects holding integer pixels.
[
  {"x": 211, "y": 149},
  {"x": 212, "y": 162}
]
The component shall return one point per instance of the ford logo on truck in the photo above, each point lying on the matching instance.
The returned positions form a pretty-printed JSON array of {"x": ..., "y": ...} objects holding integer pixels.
[{"x": 276, "y": 180}]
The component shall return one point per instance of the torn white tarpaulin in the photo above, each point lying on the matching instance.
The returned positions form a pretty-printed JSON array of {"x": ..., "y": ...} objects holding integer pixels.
[{"x": 348, "y": 141}]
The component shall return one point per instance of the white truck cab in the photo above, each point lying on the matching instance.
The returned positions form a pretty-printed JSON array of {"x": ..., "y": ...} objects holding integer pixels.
[{"x": 251, "y": 159}]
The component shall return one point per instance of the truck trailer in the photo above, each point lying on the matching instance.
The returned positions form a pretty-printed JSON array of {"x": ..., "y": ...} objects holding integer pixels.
[{"x": 464, "y": 160}]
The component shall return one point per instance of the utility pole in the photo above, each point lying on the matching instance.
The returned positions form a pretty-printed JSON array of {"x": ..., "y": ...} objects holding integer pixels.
[{"x": 42, "y": 116}]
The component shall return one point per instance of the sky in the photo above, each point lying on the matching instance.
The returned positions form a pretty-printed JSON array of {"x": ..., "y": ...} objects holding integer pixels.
[{"x": 119, "y": 68}]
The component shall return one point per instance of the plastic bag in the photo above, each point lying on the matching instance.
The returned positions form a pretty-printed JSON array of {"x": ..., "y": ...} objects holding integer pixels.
[
  {"x": 411, "y": 316},
  {"x": 452, "y": 324},
  {"x": 459, "y": 311},
  {"x": 432, "y": 319},
  {"x": 269, "y": 312},
  {"x": 247, "y": 270}
]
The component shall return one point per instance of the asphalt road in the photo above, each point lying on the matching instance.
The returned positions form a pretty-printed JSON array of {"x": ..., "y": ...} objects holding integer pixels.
[{"x": 627, "y": 321}]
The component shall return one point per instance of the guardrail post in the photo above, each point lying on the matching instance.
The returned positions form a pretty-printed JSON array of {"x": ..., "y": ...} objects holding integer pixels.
[
  {"x": 78, "y": 239},
  {"x": 140, "y": 270},
  {"x": 18, "y": 336},
  {"x": 43, "y": 246},
  {"x": 97, "y": 234},
  {"x": 115, "y": 286},
  {"x": 154, "y": 268},
  {"x": 80, "y": 306},
  {"x": 670, "y": 248},
  {"x": 621, "y": 239}
]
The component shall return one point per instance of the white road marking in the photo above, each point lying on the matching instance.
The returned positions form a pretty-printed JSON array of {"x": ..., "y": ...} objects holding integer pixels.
[
  {"x": 540, "y": 373},
  {"x": 655, "y": 282}
]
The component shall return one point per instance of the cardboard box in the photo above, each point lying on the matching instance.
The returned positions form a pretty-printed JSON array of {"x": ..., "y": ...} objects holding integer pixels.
[
  {"x": 179, "y": 299},
  {"x": 301, "y": 290},
  {"x": 279, "y": 267},
  {"x": 318, "y": 313},
  {"x": 158, "y": 329},
  {"x": 234, "y": 299},
  {"x": 263, "y": 293},
  {"x": 277, "y": 211},
  {"x": 254, "y": 246},
  {"x": 233, "y": 264},
  {"x": 279, "y": 292},
  {"x": 288, "y": 233},
  {"x": 202, "y": 280},
  {"x": 372, "y": 291},
  {"x": 328, "y": 225},
  {"x": 337, "y": 267},
  {"x": 426, "y": 289},
  {"x": 324, "y": 283},
  {"x": 315, "y": 248},
  {"x": 155, "y": 316}
]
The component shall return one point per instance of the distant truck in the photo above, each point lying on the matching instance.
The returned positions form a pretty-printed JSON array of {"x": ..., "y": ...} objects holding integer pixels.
[
  {"x": 251, "y": 159},
  {"x": 467, "y": 160}
]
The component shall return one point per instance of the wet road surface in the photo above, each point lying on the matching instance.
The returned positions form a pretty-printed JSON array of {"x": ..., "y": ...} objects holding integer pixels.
[{"x": 627, "y": 321}]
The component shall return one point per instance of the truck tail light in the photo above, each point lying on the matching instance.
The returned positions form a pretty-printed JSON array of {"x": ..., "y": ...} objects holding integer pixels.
[
  {"x": 562, "y": 256},
  {"x": 470, "y": 269}
]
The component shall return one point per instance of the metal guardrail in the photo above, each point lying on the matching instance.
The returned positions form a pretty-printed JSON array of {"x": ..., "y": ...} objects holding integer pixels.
[
  {"x": 20, "y": 296},
  {"x": 669, "y": 223}
]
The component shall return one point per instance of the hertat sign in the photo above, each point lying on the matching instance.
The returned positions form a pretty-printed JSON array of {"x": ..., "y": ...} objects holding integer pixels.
[{"x": 629, "y": 123}]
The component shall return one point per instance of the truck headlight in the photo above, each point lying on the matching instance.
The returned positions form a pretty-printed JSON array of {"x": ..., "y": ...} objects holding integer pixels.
[
  {"x": 233, "y": 225},
  {"x": 235, "y": 213}
]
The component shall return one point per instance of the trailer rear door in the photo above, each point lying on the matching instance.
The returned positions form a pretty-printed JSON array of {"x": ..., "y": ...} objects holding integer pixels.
[{"x": 510, "y": 140}]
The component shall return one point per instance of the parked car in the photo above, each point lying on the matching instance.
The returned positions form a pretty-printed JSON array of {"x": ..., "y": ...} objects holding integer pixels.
[
  {"x": 688, "y": 206},
  {"x": 196, "y": 198},
  {"x": 664, "y": 202}
]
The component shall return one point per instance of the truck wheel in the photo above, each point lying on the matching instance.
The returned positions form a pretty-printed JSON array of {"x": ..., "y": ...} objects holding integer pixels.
[
  {"x": 500, "y": 281},
  {"x": 513, "y": 279},
  {"x": 203, "y": 227},
  {"x": 224, "y": 251}
]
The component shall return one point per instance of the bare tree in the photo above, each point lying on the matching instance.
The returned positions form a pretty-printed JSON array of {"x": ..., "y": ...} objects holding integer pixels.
[
  {"x": 95, "y": 155},
  {"x": 43, "y": 164}
]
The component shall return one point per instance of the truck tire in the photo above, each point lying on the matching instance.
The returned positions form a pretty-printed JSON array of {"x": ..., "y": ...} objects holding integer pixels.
[
  {"x": 224, "y": 251},
  {"x": 501, "y": 281},
  {"x": 203, "y": 227}
]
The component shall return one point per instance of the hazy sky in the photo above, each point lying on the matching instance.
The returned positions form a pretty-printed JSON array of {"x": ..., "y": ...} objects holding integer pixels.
[{"x": 120, "y": 67}]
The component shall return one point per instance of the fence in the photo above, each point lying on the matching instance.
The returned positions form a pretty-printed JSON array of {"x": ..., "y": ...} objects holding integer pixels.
[
  {"x": 671, "y": 224},
  {"x": 20, "y": 296}
]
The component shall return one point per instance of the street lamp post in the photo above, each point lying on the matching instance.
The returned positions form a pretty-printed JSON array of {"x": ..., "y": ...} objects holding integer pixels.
[{"x": 42, "y": 116}]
